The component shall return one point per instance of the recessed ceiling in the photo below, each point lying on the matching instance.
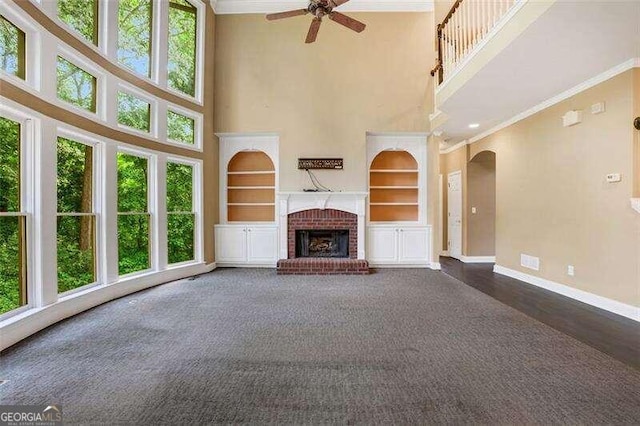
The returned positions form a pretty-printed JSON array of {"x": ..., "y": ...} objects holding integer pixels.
[{"x": 227, "y": 7}]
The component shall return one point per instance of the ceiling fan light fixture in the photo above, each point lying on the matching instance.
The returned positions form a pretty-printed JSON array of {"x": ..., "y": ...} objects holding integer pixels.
[{"x": 320, "y": 9}]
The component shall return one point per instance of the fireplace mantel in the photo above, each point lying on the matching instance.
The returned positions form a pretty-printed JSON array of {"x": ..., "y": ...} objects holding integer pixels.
[{"x": 294, "y": 202}]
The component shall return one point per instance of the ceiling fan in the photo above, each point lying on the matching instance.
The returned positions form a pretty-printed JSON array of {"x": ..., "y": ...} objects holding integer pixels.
[{"x": 319, "y": 9}]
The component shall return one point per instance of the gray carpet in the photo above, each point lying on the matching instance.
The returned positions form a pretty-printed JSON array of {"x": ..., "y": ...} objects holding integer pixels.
[{"x": 236, "y": 346}]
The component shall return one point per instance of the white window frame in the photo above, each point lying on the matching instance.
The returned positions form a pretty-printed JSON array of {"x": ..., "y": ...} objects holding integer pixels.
[
  {"x": 113, "y": 26},
  {"x": 53, "y": 14},
  {"x": 153, "y": 112},
  {"x": 197, "y": 145},
  {"x": 152, "y": 210},
  {"x": 201, "y": 22},
  {"x": 32, "y": 80},
  {"x": 28, "y": 125},
  {"x": 66, "y": 132},
  {"x": 87, "y": 66},
  {"x": 197, "y": 207}
]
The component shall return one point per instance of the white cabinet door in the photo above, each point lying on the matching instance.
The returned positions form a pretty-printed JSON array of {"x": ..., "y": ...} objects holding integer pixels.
[
  {"x": 413, "y": 245},
  {"x": 262, "y": 245},
  {"x": 231, "y": 244},
  {"x": 382, "y": 244}
]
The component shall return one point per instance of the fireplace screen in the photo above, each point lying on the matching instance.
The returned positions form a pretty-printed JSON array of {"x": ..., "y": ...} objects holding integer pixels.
[{"x": 322, "y": 244}]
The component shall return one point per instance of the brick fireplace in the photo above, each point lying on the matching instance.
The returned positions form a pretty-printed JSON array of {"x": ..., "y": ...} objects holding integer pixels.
[{"x": 323, "y": 239}]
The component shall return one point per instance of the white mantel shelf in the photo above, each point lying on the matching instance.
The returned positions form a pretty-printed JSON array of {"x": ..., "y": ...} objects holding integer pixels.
[{"x": 293, "y": 202}]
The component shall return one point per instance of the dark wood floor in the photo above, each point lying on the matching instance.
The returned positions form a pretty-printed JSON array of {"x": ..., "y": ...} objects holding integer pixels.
[{"x": 612, "y": 334}]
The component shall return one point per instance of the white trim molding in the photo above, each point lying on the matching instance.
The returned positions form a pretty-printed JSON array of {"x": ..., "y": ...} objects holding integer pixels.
[
  {"x": 454, "y": 147},
  {"x": 586, "y": 85},
  {"x": 619, "y": 308},
  {"x": 635, "y": 204},
  {"x": 229, "y": 7},
  {"x": 478, "y": 259},
  {"x": 435, "y": 266}
]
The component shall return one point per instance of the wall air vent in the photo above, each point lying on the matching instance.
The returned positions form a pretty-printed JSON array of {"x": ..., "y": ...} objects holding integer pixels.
[{"x": 530, "y": 262}]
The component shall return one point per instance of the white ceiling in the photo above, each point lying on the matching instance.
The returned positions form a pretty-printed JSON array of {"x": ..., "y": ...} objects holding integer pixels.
[
  {"x": 574, "y": 41},
  {"x": 225, "y": 7}
]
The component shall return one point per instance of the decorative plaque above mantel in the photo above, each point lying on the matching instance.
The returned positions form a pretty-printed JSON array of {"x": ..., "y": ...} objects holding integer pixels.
[{"x": 320, "y": 163}]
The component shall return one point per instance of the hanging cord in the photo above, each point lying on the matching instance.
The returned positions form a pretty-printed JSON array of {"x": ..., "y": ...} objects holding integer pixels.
[{"x": 316, "y": 183}]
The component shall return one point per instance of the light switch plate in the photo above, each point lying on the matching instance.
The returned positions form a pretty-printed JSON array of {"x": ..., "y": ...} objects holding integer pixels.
[
  {"x": 474, "y": 210},
  {"x": 571, "y": 270}
]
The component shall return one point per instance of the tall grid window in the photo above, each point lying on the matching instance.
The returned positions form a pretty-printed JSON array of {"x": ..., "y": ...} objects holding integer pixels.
[
  {"x": 76, "y": 224},
  {"x": 12, "y": 48},
  {"x": 13, "y": 277},
  {"x": 181, "y": 216},
  {"x": 82, "y": 16},
  {"x": 181, "y": 66},
  {"x": 135, "y": 20},
  {"x": 134, "y": 218}
]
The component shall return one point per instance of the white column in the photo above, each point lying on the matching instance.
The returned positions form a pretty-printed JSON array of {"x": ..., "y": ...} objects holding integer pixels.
[
  {"x": 109, "y": 213},
  {"x": 44, "y": 213},
  {"x": 159, "y": 232}
]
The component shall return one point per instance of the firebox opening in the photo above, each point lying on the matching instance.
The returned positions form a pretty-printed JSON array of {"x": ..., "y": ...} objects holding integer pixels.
[{"x": 327, "y": 243}]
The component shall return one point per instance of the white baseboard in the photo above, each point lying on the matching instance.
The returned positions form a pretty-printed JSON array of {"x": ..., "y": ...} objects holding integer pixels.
[
  {"x": 619, "y": 308},
  {"x": 478, "y": 259},
  {"x": 444, "y": 253},
  {"x": 435, "y": 266}
]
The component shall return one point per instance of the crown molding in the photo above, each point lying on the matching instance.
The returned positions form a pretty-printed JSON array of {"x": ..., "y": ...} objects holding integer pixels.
[
  {"x": 454, "y": 147},
  {"x": 594, "y": 81},
  {"x": 229, "y": 7}
]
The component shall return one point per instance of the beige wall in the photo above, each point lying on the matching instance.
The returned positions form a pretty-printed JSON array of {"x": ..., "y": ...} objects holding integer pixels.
[
  {"x": 449, "y": 163},
  {"x": 481, "y": 186},
  {"x": 323, "y": 98},
  {"x": 553, "y": 201},
  {"x": 636, "y": 91}
]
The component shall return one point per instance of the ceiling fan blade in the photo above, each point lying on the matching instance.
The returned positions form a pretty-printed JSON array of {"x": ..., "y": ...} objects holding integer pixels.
[
  {"x": 347, "y": 21},
  {"x": 289, "y": 14},
  {"x": 313, "y": 30},
  {"x": 336, "y": 3}
]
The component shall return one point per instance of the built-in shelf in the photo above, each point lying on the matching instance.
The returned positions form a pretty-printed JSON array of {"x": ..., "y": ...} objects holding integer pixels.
[
  {"x": 251, "y": 188},
  {"x": 393, "y": 187}
]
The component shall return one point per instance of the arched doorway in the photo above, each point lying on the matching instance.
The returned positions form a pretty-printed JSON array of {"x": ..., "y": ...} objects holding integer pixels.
[{"x": 481, "y": 207}]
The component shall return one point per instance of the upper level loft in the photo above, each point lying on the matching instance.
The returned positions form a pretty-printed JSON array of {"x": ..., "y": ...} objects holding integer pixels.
[{"x": 498, "y": 59}]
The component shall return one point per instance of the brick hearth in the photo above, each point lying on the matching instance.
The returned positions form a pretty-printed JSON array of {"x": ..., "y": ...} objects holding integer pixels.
[{"x": 317, "y": 219}]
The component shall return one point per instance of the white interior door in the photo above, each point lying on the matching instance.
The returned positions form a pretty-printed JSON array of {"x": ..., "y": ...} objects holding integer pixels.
[{"x": 454, "y": 208}]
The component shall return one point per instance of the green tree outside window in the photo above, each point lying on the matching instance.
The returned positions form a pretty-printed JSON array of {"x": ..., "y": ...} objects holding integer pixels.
[
  {"x": 76, "y": 221},
  {"x": 181, "y": 65},
  {"x": 134, "y": 112},
  {"x": 181, "y": 128},
  {"x": 133, "y": 214},
  {"x": 13, "y": 288},
  {"x": 76, "y": 86},
  {"x": 181, "y": 218},
  {"x": 12, "y": 48},
  {"x": 82, "y": 16}
]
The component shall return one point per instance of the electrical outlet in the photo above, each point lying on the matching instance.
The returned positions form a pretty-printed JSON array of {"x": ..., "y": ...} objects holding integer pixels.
[{"x": 571, "y": 271}]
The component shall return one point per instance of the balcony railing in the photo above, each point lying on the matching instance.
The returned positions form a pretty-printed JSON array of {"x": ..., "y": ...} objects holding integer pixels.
[{"x": 465, "y": 26}]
